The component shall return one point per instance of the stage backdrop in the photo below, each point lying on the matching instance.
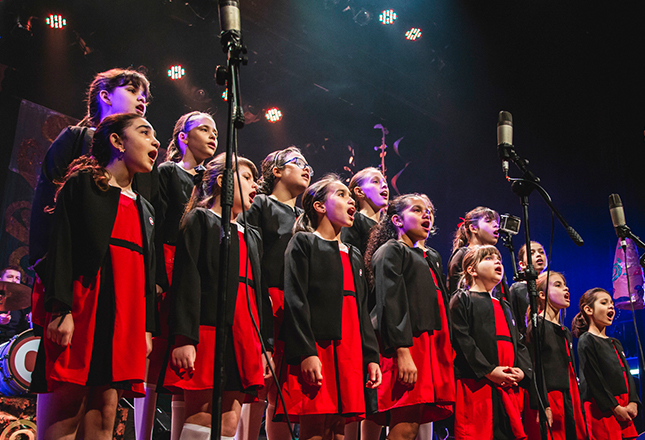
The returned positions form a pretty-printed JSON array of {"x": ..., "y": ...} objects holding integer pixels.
[{"x": 36, "y": 129}]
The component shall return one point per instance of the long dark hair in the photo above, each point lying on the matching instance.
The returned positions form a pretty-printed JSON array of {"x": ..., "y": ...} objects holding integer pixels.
[
  {"x": 385, "y": 229},
  {"x": 173, "y": 153},
  {"x": 463, "y": 232},
  {"x": 316, "y": 192},
  {"x": 102, "y": 152},
  {"x": 273, "y": 160},
  {"x": 110, "y": 80},
  {"x": 580, "y": 323}
]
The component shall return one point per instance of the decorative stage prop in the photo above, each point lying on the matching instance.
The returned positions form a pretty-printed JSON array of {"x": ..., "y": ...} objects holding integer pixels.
[{"x": 622, "y": 268}]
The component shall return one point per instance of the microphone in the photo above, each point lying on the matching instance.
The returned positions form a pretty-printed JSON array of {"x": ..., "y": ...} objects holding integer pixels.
[
  {"x": 229, "y": 15},
  {"x": 504, "y": 138},
  {"x": 618, "y": 217}
]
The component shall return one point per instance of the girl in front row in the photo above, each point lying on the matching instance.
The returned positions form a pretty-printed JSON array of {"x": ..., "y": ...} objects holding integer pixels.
[
  {"x": 329, "y": 340},
  {"x": 562, "y": 403},
  {"x": 194, "y": 295},
  {"x": 491, "y": 363},
  {"x": 412, "y": 314},
  {"x": 98, "y": 296},
  {"x": 606, "y": 385}
]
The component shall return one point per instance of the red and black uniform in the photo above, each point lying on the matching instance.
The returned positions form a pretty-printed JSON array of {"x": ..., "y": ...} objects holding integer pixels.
[
  {"x": 98, "y": 265},
  {"x": 561, "y": 384},
  {"x": 412, "y": 311},
  {"x": 359, "y": 233},
  {"x": 194, "y": 294},
  {"x": 484, "y": 337},
  {"x": 326, "y": 316},
  {"x": 518, "y": 298},
  {"x": 175, "y": 187},
  {"x": 605, "y": 382},
  {"x": 275, "y": 221}
]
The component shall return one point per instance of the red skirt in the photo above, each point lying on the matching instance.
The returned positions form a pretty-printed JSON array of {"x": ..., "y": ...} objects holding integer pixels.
[
  {"x": 71, "y": 364},
  {"x": 160, "y": 343},
  {"x": 277, "y": 304},
  {"x": 342, "y": 390}
]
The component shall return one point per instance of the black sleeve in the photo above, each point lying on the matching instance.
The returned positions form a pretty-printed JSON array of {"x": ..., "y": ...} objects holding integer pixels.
[
  {"x": 392, "y": 307},
  {"x": 160, "y": 203},
  {"x": 186, "y": 289},
  {"x": 533, "y": 388},
  {"x": 633, "y": 393},
  {"x": 463, "y": 342},
  {"x": 588, "y": 351},
  {"x": 253, "y": 215},
  {"x": 455, "y": 270},
  {"x": 299, "y": 336}
]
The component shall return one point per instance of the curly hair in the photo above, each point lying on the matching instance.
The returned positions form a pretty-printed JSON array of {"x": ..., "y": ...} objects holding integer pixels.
[
  {"x": 110, "y": 80},
  {"x": 580, "y": 323},
  {"x": 273, "y": 160},
  {"x": 463, "y": 233},
  {"x": 173, "y": 153},
  {"x": 385, "y": 229}
]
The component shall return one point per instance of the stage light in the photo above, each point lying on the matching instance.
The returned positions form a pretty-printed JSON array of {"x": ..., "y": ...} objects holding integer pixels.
[
  {"x": 273, "y": 115},
  {"x": 413, "y": 34},
  {"x": 225, "y": 95},
  {"x": 56, "y": 21},
  {"x": 387, "y": 16},
  {"x": 176, "y": 72}
]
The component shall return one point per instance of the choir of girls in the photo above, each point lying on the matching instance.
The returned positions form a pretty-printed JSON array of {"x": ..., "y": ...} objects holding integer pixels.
[{"x": 362, "y": 328}]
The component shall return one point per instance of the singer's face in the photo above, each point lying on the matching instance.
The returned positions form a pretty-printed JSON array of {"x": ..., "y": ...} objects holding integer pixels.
[
  {"x": 558, "y": 292},
  {"x": 487, "y": 231},
  {"x": 538, "y": 257}
]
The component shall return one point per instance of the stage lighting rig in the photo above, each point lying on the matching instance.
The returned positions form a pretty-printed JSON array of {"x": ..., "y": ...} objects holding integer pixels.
[
  {"x": 273, "y": 115},
  {"x": 56, "y": 21},
  {"x": 176, "y": 72},
  {"x": 413, "y": 34},
  {"x": 388, "y": 16}
]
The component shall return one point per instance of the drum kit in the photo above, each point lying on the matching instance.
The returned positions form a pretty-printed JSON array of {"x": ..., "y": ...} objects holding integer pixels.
[{"x": 18, "y": 355}]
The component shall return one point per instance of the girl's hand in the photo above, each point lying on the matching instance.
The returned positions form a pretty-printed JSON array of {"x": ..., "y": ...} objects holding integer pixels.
[
  {"x": 549, "y": 416},
  {"x": 502, "y": 376},
  {"x": 148, "y": 343},
  {"x": 374, "y": 375},
  {"x": 632, "y": 409},
  {"x": 5, "y": 318},
  {"x": 61, "y": 329},
  {"x": 184, "y": 357},
  {"x": 516, "y": 373},
  {"x": 621, "y": 414},
  {"x": 311, "y": 369},
  {"x": 159, "y": 289},
  {"x": 407, "y": 369},
  {"x": 265, "y": 365}
]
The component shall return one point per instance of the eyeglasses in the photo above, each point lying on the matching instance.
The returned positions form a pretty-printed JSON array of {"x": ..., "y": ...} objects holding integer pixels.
[{"x": 300, "y": 163}]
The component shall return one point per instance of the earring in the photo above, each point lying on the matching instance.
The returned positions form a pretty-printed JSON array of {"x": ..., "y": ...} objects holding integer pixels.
[{"x": 120, "y": 155}]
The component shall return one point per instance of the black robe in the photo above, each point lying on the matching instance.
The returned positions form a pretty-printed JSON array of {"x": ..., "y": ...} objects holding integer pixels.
[
  {"x": 194, "y": 291},
  {"x": 406, "y": 295},
  {"x": 601, "y": 375},
  {"x": 359, "y": 233},
  {"x": 175, "y": 187},
  {"x": 518, "y": 297},
  {"x": 313, "y": 277},
  {"x": 475, "y": 338}
]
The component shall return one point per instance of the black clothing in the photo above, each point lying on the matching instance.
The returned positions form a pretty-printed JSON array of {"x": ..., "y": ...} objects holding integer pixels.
[
  {"x": 475, "y": 336},
  {"x": 175, "y": 187},
  {"x": 313, "y": 293},
  {"x": 406, "y": 295},
  {"x": 359, "y": 233},
  {"x": 601, "y": 375},
  {"x": 275, "y": 221},
  {"x": 18, "y": 324},
  {"x": 194, "y": 291},
  {"x": 519, "y": 299}
]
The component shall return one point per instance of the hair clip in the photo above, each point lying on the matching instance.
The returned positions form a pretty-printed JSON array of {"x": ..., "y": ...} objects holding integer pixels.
[
  {"x": 199, "y": 176},
  {"x": 463, "y": 222}
]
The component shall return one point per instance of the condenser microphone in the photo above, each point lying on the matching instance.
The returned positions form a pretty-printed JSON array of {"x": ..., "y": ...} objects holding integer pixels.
[
  {"x": 229, "y": 15},
  {"x": 504, "y": 138},
  {"x": 618, "y": 217}
]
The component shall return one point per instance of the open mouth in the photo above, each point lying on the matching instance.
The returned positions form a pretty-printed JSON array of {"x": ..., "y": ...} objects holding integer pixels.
[
  {"x": 498, "y": 270},
  {"x": 141, "y": 109},
  {"x": 610, "y": 315},
  {"x": 252, "y": 196},
  {"x": 385, "y": 194},
  {"x": 306, "y": 176},
  {"x": 425, "y": 225},
  {"x": 153, "y": 155},
  {"x": 351, "y": 211},
  {"x": 213, "y": 145}
]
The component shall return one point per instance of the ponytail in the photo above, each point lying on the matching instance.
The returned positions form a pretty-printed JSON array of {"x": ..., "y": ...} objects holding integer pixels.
[
  {"x": 317, "y": 192},
  {"x": 463, "y": 233},
  {"x": 580, "y": 323}
]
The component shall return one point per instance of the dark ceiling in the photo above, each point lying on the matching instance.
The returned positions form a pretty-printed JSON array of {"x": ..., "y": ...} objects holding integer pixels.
[{"x": 570, "y": 72}]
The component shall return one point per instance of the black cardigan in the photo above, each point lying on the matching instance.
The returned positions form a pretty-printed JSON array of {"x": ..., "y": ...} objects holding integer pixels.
[
  {"x": 406, "y": 295},
  {"x": 194, "y": 291},
  {"x": 475, "y": 337},
  {"x": 82, "y": 226},
  {"x": 601, "y": 375},
  {"x": 314, "y": 282},
  {"x": 359, "y": 233}
]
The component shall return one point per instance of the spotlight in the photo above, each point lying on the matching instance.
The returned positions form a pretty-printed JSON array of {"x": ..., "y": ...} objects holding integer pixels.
[
  {"x": 273, "y": 115},
  {"x": 56, "y": 21},
  {"x": 413, "y": 34},
  {"x": 225, "y": 95},
  {"x": 176, "y": 72},
  {"x": 387, "y": 16}
]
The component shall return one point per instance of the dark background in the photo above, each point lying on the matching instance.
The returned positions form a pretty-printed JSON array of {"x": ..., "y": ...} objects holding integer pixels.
[{"x": 569, "y": 72}]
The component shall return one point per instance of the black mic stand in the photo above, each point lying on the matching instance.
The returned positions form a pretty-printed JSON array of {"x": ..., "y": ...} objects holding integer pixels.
[
  {"x": 523, "y": 187},
  {"x": 236, "y": 54},
  {"x": 507, "y": 241}
]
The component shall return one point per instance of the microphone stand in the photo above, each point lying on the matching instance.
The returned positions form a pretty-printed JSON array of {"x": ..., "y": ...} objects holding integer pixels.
[
  {"x": 523, "y": 187},
  {"x": 507, "y": 241},
  {"x": 236, "y": 54}
]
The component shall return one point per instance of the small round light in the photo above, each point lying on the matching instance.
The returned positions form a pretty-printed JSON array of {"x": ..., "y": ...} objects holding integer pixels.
[
  {"x": 176, "y": 72},
  {"x": 413, "y": 34},
  {"x": 273, "y": 115},
  {"x": 388, "y": 16}
]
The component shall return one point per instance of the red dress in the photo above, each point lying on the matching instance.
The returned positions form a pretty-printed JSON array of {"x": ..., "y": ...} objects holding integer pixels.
[
  {"x": 109, "y": 342},
  {"x": 474, "y": 406},
  {"x": 244, "y": 346},
  {"x": 433, "y": 356},
  {"x": 342, "y": 360}
]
